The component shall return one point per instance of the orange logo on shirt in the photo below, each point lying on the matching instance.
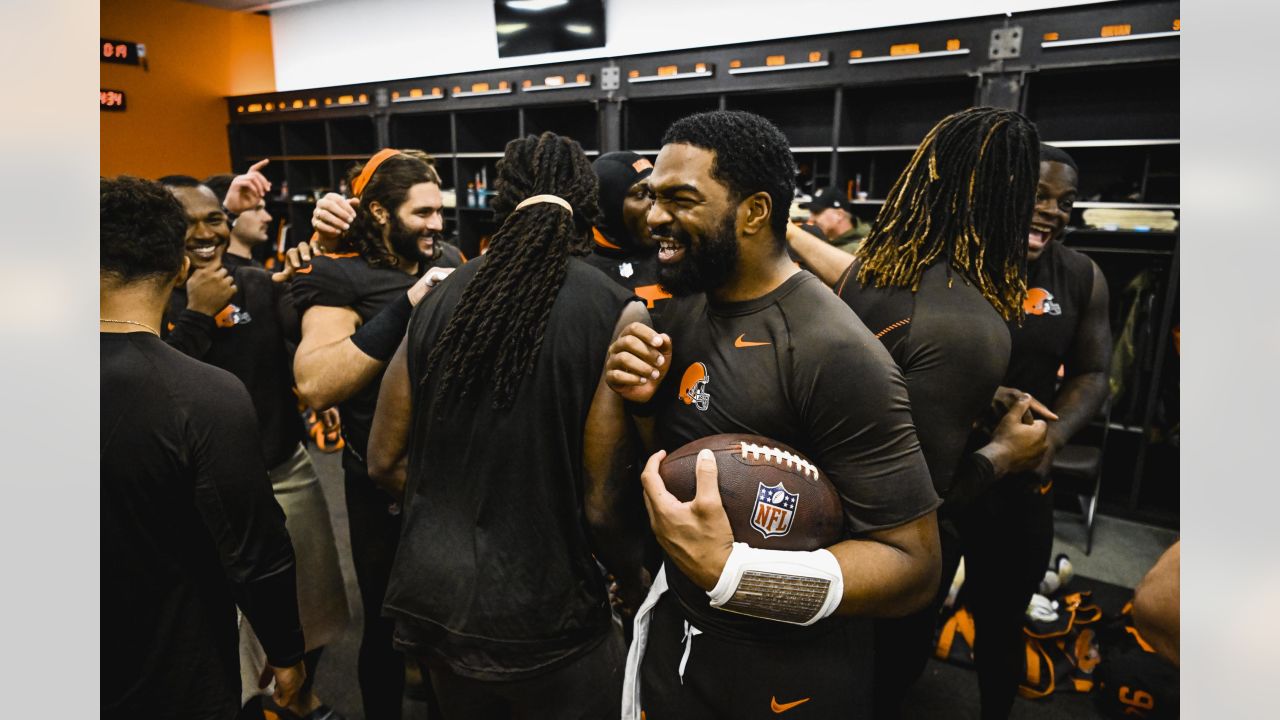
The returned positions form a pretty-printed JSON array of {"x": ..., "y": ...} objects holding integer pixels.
[
  {"x": 779, "y": 708},
  {"x": 651, "y": 294},
  {"x": 1040, "y": 302},
  {"x": 693, "y": 386}
]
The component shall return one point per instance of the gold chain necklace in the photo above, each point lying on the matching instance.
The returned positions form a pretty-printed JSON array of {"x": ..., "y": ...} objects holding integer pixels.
[{"x": 130, "y": 322}]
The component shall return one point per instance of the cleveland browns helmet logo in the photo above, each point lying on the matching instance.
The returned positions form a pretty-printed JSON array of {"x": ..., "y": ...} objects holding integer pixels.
[
  {"x": 693, "y": 386},
  {"x": 1040, "y": 302}
]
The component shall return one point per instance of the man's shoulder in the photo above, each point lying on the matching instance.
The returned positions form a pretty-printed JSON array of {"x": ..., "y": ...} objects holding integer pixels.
[
  {"x": 184, "y": 379},
  {"x": 450, "y": 256},
  {"x": 333, "y": 279}
]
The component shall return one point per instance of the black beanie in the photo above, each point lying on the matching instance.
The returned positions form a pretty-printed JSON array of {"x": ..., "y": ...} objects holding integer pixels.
[{"x": 617, "y": 172}]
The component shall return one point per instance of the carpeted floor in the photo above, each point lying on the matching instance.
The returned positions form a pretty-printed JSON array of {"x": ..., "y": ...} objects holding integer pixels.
[{"x": 1122, "y": 553}]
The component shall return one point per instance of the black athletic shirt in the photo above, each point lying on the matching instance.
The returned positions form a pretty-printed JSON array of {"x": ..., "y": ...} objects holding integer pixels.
[
  {"x": 1059, "y": 285},
  {"x": 347, "y": 280},
  {"x": 494, "y": 573},
  {"x": 795, "y": 365},
  {"x": 189, "y": 530},
  {"x": 635, "y": 270},
  {"x": 953, "y": 348},
  {"x": 254, "y": 338}
]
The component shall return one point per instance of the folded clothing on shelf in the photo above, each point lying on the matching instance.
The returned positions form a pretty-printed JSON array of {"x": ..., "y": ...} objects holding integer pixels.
[{"x": 1124, "y": 219}]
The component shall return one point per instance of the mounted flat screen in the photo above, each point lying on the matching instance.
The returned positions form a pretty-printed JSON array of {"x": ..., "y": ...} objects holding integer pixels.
[{"x": 532, "y": 27}]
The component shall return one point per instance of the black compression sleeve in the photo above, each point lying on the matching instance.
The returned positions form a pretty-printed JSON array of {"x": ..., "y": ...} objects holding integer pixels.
[
  {"x": 974, "y": 475},
  {"x": 380, "y": 337}
]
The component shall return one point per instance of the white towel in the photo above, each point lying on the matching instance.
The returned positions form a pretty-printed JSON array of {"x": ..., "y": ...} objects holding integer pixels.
[{"x": 635, "y": 654}]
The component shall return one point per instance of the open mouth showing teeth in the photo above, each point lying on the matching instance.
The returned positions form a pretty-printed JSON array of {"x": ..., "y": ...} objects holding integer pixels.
[
  {"x": 205, "y": 252},
  {"x": 669, "y": 250}
]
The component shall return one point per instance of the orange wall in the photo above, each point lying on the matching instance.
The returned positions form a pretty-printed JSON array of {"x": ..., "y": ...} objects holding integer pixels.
[{"x": 176, "y": 119}]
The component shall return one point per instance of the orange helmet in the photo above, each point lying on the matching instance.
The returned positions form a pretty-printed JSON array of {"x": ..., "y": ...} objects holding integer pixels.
[
  {"x": 1040, "y": 302},
  {"x": 693, "y": 386}
]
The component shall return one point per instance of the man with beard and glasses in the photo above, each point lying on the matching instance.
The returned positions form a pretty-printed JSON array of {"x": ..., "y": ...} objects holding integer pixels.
[
  {"x": 355, "y": 306},
  {"x": 624, "y": 250},
  {"x": 252, "y": 335},
  {"x": 762, "y": 333}
]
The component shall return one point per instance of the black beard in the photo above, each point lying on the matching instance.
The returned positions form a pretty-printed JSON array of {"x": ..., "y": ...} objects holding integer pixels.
[
  {"x": 706, "y": 266},
  {"x": 405, "y": 243}
]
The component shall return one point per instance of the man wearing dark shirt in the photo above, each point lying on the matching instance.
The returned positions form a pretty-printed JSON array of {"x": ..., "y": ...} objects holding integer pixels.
[
  {"x": 355, "y": 305},
  {"x": 1009, "y": 532},
  {"x": 944, "y": 322},
  {"x": 623, "y": 248},
  {"x": 249, "y": 229},
  {"x": 189, "y": 526},
  {"x": 829, "y": 213},
  {"x": 751, "y": 345},
  {"x": 517, "y": 461},
  {"x": 253, "y": 338}
]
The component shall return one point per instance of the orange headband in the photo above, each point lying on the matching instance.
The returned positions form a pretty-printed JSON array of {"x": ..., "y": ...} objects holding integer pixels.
[{"x": 357, "y": 187}]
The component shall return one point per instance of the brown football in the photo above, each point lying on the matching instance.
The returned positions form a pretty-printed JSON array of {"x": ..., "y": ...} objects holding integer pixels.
[{"x": 775, "y": 498}]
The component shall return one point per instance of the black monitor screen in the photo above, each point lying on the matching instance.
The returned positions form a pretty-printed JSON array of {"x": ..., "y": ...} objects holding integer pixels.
[{"x": 530, "y": 27}]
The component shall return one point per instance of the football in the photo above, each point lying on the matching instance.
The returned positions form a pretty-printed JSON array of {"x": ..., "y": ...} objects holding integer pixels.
[{"x": 775, "y": 498}]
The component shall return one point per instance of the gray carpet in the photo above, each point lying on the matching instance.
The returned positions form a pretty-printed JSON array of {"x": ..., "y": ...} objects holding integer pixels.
[{"x": 1122, "y": 553}]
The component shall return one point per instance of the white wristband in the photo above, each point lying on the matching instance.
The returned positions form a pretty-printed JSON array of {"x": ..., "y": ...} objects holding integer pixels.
[{"x": 786, "y": 586}]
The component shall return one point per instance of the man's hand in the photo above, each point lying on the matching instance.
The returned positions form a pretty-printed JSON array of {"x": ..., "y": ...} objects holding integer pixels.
[
  {"x": 638, "y": 361},
  {"x": 429, "y": 279},
  {"x": 1007, "y": 397},
  {"x": 288, "y": 682},
  {"x": 332, "y": 217},
  {"x": 628, "y": 594},
  {"x": 1019, "y": 442},
  {"x": 246, "y": 190},
  {"x": 209, "y": 290},
  {"x": 295, "y": 259},
  {"x": 696, "y": 535}
]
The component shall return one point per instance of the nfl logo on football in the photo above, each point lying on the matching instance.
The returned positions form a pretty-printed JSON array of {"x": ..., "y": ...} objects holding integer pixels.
[{"x": 774, "y": 510}]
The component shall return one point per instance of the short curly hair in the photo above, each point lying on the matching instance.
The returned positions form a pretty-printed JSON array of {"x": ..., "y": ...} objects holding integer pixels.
[
  {"x": 751, "y": 155},
  {"x": 142, "y": 229}
]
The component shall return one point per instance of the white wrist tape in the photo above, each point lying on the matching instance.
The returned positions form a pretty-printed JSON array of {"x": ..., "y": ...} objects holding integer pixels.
[{"x": 787, "y": 586}]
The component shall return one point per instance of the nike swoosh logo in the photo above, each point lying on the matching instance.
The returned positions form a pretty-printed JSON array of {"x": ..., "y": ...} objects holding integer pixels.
[
  {"x": 779, "y": 708},
  {"x": 740, "y": 343},
  {"x": 303, "y": 270}
]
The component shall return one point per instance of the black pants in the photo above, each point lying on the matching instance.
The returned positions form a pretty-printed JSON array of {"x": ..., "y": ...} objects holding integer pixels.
[
  {"x": 904, "y": 645},
  {"x": 588, "y": 687},
  {"x": 375, "y": 534},
  {"x": 1006, "y": 537},
  {"x": 825, "y": 674}
]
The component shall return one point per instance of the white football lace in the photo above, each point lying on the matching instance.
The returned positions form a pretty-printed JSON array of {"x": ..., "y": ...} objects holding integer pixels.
[{"x": 778, "y": 455}]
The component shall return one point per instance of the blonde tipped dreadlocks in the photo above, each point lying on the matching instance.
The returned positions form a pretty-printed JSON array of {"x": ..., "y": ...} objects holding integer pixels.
[{"x": 966, "y": 196}]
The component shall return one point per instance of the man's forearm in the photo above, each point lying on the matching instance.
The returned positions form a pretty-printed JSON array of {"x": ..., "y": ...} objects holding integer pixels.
[
  {"x": 827, "y": 262},
  {"x": 192, "y": 333},
  {"x": 1076, "y": 404},
  {"x": 883, "y": 579},
  {"x": 329, "y": 374}
]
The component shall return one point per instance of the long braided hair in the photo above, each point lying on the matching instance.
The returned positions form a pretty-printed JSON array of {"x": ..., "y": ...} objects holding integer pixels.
[
  {"x": 389, "y": 187},
  {"x": 967, "y": 197},
  {"x": 496, "y": 329}
]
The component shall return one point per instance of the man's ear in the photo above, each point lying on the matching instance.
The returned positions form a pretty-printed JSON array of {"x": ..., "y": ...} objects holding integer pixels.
[
  {"x": 185, "y": 273},
  {"x": 379, "y": 213},
  {"x": 754, "y": 212}
]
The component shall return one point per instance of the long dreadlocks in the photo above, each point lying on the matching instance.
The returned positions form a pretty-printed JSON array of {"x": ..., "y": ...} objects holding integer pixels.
[
  {"x": 388, "y": 187},
  {"x": 496, "y": 329},
  {"x": 967, "y": 196}
]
